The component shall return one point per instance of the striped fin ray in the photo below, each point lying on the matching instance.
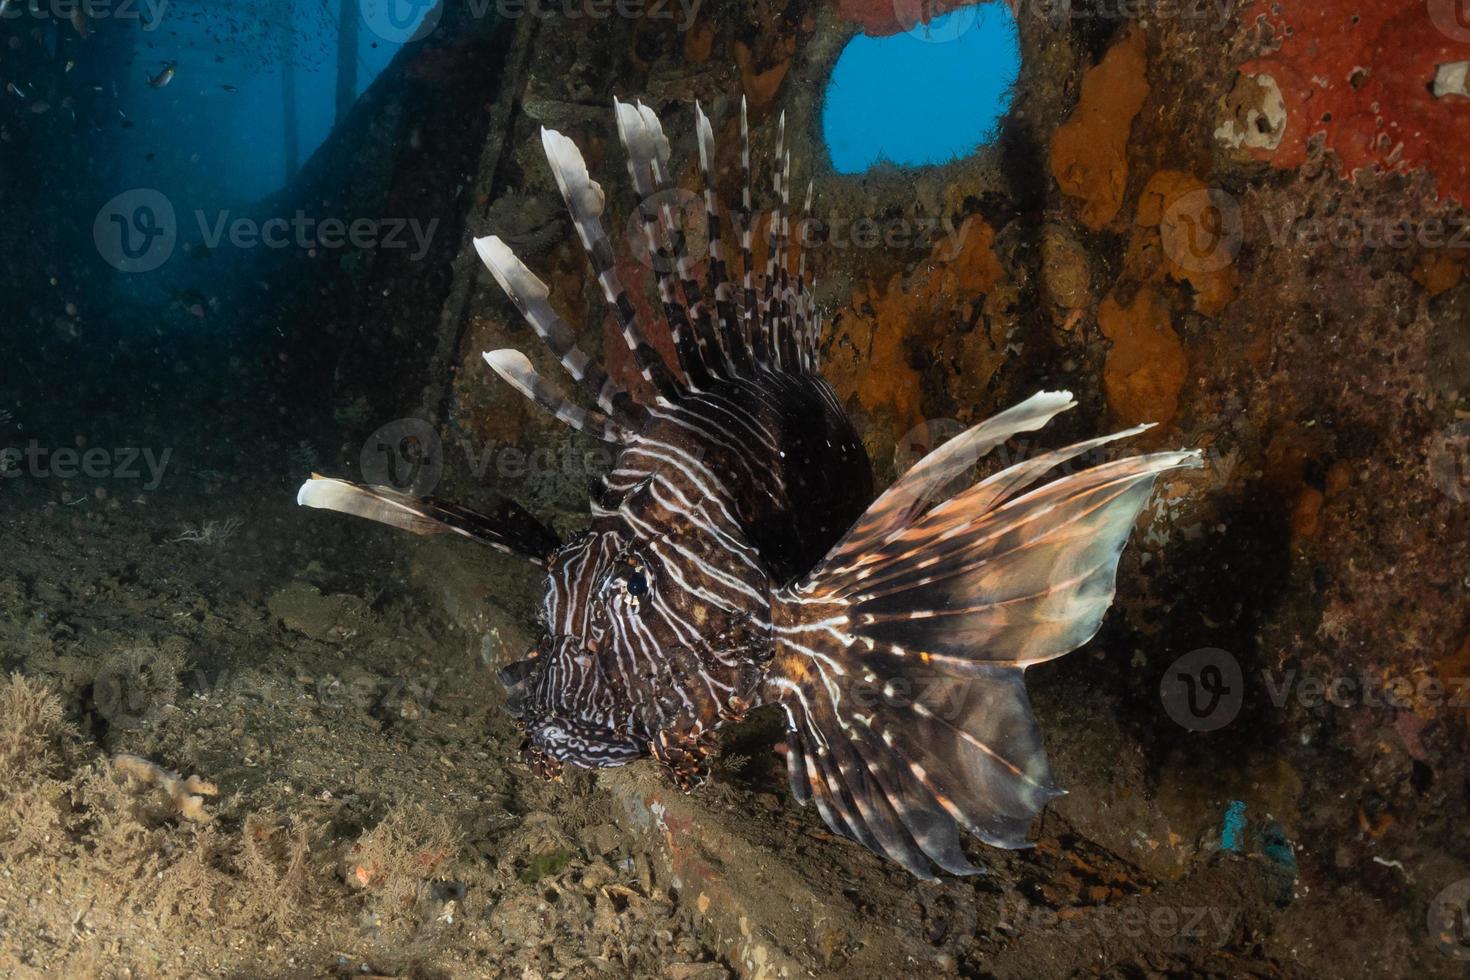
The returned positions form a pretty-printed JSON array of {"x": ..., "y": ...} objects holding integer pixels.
[
  {"x": 511, "y": 529},
  {"x": 806, "y": 333},
  {"x": 530, "y": 296},
  {"x": 790, "y": 314},
  {"x": 735, "y": 340},
  {"x": 1027, "y": 582},
  {"x": 754, "y": 325},
  {"x": 699, "y": 309},
  {"x": 644, "y": 146},
  {"x": 585, "y": 201},
  {"x": 770, "y": 300},
  {"x": 930, "y": 478},
  {"x": 515, "y": 368},
  {"x": 901, "y": 667}
]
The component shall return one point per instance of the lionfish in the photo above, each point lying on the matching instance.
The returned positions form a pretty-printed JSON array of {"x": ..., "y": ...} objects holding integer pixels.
[{"x": 735, "y": 556}]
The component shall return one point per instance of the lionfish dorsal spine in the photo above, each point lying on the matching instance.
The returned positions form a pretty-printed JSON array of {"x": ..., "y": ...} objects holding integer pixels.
[
  {"x": 753, "y": 325},
  {"x": 516, "y": 370},
  {"x": 531, "y": 297},
  {"x": 585, "y": 201},
  {"x": 641, "y": 144},
  {"x": 736, "y": 344}
]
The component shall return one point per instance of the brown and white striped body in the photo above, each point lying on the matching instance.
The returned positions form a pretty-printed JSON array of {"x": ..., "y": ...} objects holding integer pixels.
[{"x": 735, "y": 557}]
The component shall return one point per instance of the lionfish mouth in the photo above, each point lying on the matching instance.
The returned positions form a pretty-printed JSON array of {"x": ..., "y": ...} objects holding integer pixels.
[{"x": 514, "y": 677}]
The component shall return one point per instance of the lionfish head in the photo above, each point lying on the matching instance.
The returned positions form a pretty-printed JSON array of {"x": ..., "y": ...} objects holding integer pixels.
[{"x": 619, "y": 610}]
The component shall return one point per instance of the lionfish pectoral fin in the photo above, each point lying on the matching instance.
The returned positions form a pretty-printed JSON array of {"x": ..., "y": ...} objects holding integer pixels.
[
  {"x": 511, "y": 529},
  {"x": 684, "y": 756},
  {"x": 900, "y": 664}
]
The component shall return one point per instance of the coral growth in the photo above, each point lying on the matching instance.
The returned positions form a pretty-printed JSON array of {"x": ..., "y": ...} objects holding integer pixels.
[
  {"x": 209, "y": 532},
  {"x": 1089, "y": 152},
  {"x": 183, "y": 795},
  {"x": 1146, "y": 367},
  {"x": 32, "y": 728},
  {"x": 872, "y": 350},
  {"x": 1376, "y": 79},
  {"x": 1198, "y": 233}
]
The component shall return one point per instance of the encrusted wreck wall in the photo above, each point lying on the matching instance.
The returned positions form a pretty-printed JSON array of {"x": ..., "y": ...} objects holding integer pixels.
[{"x": 1245, "y": 224}]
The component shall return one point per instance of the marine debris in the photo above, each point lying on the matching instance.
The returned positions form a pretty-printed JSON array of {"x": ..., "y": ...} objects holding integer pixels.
[
  {"x": 186, "y": 795},
  {"x": 209, "y": 532}
]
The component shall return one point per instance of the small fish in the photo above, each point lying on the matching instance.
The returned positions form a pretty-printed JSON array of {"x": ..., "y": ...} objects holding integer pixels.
[
  {"x": 736, "y": 556},
  {"x": 186, "y": 299},
  {"x": 15, "y": 90},
  {"x": 70, "y": 64},
  {"x": 5, "y": 7},
  {"x": 163, "y": 77},
  {"x": 229, "y": 88},
  {"x": 79, "y": 21},
  {"x": 40, "y": 107}
]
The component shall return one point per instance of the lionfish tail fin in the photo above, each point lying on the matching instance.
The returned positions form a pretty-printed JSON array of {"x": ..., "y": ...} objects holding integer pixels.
[
  {"x": 510, "y": 529},
  {"x": 900, "y": 667}
]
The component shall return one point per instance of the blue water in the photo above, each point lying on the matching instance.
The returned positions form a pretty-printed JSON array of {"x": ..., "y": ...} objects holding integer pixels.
[
  {"x": 216, "y": 126},
  {"x": 931, "y": 95}
]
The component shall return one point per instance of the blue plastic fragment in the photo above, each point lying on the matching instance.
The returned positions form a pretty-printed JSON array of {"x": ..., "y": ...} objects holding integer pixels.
[
  {"x": 1276, "y": 847},
  {"x": 1232, "y": 830}
]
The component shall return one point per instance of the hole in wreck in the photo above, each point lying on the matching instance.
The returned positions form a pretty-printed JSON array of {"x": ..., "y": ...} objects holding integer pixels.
[{"x": 929, "y": 95}]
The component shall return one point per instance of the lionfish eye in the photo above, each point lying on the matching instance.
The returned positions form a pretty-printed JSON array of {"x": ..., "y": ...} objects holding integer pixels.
[{"x": 631, "y": 583}]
